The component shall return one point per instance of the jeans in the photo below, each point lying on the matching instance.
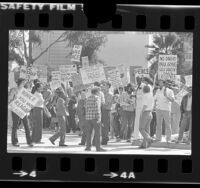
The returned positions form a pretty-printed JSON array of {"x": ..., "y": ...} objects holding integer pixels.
[
  {"x": 61, "y": 131},
  {"x": 166, "y": 115},
  {"x": 106, "y": 125},
  {"x": 186, "y": 120},
  {"x": 90, "y": 125},
  {"x": 175, "y": 120},
  {"x": 144, "y": 128},
  {"x": 16, "y": 121},
  {"x": 82, "y": 124}
]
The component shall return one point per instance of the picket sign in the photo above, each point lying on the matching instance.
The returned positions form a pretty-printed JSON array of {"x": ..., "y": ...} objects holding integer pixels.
[
  {"x": 85, "y": 62},
  {"x": 180, "y": 95},
  {"x": 76, "y": 53},
  {"x": 188, "y": 80},
  {"x": 56, "y": 76},
  {"x": 24, "y": 103},
  {"x": 167, "y": 67},
  {"x": 41, "y": 72},
  {"x": 93, "y": 74},
  {"x": 114, "y": 78}
]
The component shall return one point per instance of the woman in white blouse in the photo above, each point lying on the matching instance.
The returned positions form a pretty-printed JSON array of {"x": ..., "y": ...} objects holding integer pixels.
[{"x": 37, "y": 114}]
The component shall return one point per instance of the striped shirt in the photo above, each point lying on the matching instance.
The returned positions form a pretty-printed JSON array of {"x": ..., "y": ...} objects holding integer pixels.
[{"x": 93, "y": 108}]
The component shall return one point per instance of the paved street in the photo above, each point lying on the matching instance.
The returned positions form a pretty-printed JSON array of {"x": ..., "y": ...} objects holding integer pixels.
[{"x": 113, "y": 147}]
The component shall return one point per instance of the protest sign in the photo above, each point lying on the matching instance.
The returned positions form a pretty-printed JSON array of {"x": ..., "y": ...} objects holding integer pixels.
[
  {"x": 76, "y": 53},
  {"x": 188, "y": 80},
  {"x": 114, "y": 78},
  {"x": 32, "y": 73},
  {"x": 54, "y": 84},
  {"x": 85, "y": 62},
  {"x": 124, "y": 74},
  {"x": 167, "y": 67},
  {"x": 180, "y": 95},
  {"x": 66, "y": 72},
  {"x": 77, "y": 82},
  {"x": 56, "y": 75},
  {"x": 23, "y": 72},
  {"x": 23, "y": 104},
  {"x": 42, "y": 72},
  {"x": 178, "y": 80},
  {"x": 142, "y": 72},
  {"x": 93, "y": 74}
]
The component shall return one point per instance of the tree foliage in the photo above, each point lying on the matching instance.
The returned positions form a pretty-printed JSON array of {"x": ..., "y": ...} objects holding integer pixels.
[
  {"x": 20, "y": 48},
  {"x": 170, "y": 43}
]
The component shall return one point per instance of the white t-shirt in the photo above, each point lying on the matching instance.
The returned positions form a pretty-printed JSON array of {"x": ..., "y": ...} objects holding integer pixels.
[
  {"x": 148, "y": 100},
  {"x": 40, "y": 103},
  {"x": 162, "y": 102}
]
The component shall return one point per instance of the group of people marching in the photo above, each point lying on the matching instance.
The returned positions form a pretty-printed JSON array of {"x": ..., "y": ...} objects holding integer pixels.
[{"x": 101, "y": 113}]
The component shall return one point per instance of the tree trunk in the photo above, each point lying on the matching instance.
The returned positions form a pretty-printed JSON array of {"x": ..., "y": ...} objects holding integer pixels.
[{"x": 30, "y": 49}]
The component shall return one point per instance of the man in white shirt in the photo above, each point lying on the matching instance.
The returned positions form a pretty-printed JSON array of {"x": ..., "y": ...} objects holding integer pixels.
[
  {"x": 163, "y": 98},
  {"x": 146, "y": 116}
]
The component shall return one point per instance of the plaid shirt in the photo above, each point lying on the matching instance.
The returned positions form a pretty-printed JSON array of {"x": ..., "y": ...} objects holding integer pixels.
[{"x": 93, "y": 108}]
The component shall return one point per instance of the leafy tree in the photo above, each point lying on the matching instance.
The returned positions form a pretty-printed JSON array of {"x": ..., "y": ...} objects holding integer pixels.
[
  {"x": 170, "y": 43},
  {"x": 21, "y": 43}
]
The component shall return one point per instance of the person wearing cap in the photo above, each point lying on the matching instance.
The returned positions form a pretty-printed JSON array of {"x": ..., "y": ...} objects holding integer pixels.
[
  {"x": 93, "y": 119},
  {"x": 163, "y": 98},
  {"x": 61, "y": 114},
  {"x": 186, "y": 113}
]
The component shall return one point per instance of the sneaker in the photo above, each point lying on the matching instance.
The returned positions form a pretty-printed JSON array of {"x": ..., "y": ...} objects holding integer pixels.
[
  {"x": 30, "y": 145},
  {"x": 51, "y": 141},
  {"x": 63, "y": 145},
  {"x": 87, "y": 149},
  {"x": 101, "y": 150},
  {"x": 81, "y": 144},
  {"x": 128, "y": 140},
  {"x": 16, "y": 145}
]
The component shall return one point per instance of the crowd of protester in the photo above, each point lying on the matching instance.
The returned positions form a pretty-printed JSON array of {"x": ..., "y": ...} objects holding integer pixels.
[{"x": 144, "y": 111}]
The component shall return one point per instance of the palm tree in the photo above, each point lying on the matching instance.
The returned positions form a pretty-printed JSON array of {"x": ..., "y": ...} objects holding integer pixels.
[{"x": 166, "y": 44}]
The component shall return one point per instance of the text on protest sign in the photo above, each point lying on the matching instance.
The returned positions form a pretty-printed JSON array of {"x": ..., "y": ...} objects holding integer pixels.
[
  {"x": 42, "y": 72},
  {"x": 188, "y": 80},
  {"x": 55, "y": 75},
  {"x": 85, "y": 62},
  {"x": 167, "y": 67},
  {"x": 114, "y": 78},
  {"x": 93, "y": 74},
  {"x": 66, "y": 72},
  {"x": 76, "y": 53},
  {"x": 54, "y": 84},
  {"x": 23, "y": 104}
]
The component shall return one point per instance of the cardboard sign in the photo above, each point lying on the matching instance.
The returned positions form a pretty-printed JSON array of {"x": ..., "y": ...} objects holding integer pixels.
[
  {"x": 56, "y": 76},
  {"x": 188, "y": 80},
  {"x": 114, "y": 78},
  {"x": 32, "y": 73},
  {"x": 23, "y": 104},
  {"x": 42, "y": 72},
  {"x": 85, "y": 62},
  {"x": 93, "y": 74},
  {"x": 76, "y": 53},
  {"x": 167, "y": 67},
  {"x": 66, "y": 72},
  {"x": 54, "y": 84},
  {"x": 180, "y": 95},
  {"x": 142, "y": 72}
]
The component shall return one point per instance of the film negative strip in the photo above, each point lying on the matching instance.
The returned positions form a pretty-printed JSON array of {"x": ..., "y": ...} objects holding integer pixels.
[{"x": 85, "y": 97}]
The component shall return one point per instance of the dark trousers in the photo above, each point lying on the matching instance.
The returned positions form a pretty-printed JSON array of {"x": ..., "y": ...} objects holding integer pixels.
[
  {"x": 90, "y": 125},
  {"x": 82, "y": 125},
  {"x": 37, "y": 116},
  {"x": 16, "y": 121},
  {"x": 72, "y": 122},
  {"x": 186, "y": 121},
  {"x": 128, "y": 118},
  {"x": 153, "y": 124},
  {"x": 106, "y": 125}
]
